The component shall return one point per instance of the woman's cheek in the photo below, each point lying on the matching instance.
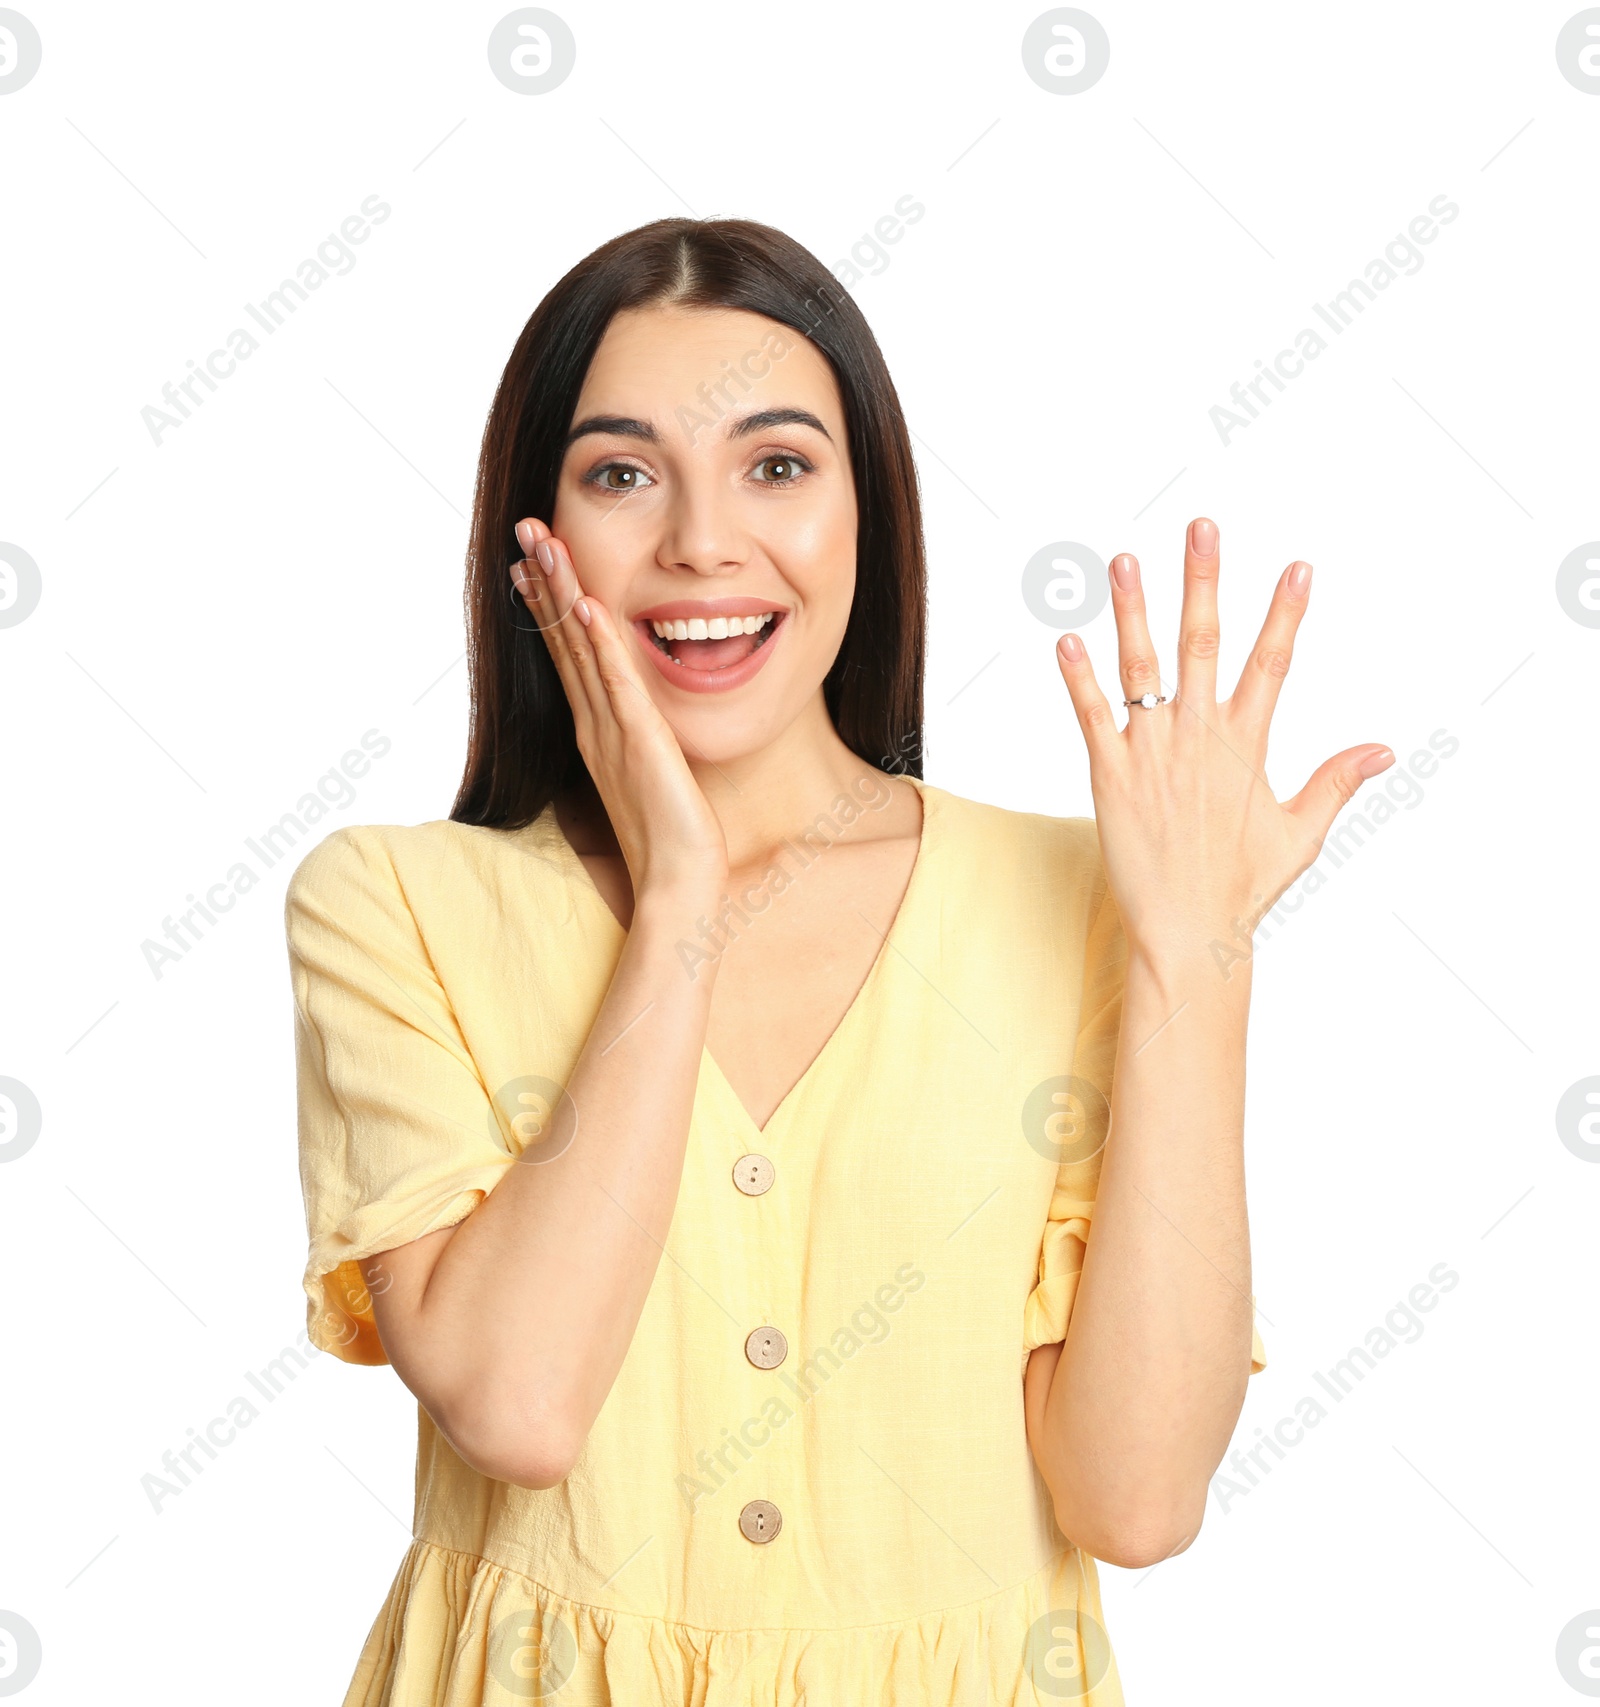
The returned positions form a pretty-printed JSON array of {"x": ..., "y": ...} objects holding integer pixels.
[{"x": 601, "y": 548}]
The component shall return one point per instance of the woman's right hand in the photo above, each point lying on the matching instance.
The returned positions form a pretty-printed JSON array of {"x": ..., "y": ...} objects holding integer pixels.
[{"x": 670, "y": 837}]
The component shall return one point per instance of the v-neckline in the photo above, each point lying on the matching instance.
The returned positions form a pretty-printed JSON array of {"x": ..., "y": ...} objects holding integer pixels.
[{"x": 579, "y": 878}]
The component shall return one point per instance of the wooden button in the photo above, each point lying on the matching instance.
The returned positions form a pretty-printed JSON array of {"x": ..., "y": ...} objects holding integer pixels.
[
  {"x": 760, "y": 1521},
  {"x": 766, "y": 1348},
  {"x": 753, "y": 1175}
]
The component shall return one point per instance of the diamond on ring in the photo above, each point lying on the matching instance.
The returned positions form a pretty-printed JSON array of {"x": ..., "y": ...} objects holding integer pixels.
[{"x": 1149, "y": 701}]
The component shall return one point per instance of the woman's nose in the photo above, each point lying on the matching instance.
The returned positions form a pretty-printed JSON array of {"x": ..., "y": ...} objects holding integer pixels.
[{"x": 703, "y": 531}]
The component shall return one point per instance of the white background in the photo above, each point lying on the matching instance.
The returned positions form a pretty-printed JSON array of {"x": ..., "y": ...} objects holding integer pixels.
[{"x": 224, "y": 614}]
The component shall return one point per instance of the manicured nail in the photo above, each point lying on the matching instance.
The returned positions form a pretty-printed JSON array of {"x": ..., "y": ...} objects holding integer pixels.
[
  {"x": 582, "y": 608},
  {"x": 1299, "y": 577},
  {"x": 525, "y": 535},
  {"x": 547, "y": 558},
  {"x": 1203, "y": 537},
  {"x": 1375, "y": 762},
  {"x": 1071, "y": 647},
  {"x": 1125, "y": 572}
]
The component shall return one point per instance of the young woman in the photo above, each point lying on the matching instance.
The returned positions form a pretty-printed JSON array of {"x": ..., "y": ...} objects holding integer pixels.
[{"x": 708, "y": 1120}]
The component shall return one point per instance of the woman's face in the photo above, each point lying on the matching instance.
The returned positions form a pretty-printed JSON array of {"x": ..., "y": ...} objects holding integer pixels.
[{"x": 707, "y": 482}]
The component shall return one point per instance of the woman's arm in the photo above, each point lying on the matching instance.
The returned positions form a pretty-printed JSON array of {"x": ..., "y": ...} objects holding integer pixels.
[
  {"x": 511, "y": 1326},
  {"x": 1131, "y": 1415}
]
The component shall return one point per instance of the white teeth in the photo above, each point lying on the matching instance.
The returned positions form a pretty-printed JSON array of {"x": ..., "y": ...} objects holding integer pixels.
[{"x": 717, "y": 628}]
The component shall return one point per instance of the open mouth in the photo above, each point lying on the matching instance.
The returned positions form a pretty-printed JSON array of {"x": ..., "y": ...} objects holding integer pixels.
[{"x": 720, "y": 643}]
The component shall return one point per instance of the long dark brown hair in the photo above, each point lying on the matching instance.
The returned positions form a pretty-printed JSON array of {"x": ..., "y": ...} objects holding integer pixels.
[{"x": 522, "y": 751}]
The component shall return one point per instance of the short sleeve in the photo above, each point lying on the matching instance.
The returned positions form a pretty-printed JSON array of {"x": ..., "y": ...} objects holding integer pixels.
[
  {"x": 396, "y": 1129},
  {"x": 1085, "y": 1121}
]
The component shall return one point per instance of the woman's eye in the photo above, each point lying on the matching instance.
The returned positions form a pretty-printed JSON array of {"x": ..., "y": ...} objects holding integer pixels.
[
  {"x": 619, "y": 477},
  {"x": 780, "y": 470}
]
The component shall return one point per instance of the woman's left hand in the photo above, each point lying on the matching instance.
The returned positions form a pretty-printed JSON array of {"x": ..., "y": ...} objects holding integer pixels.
[{"x": 1196, "y": 846}]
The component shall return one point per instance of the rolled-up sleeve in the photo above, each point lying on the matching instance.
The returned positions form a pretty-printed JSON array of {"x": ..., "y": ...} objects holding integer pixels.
[{"x": 396, "y": 1129}]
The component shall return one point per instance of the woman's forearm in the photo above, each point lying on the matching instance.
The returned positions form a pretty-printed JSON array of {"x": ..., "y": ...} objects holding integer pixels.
[
  {"x": 517, "y": 1334},
  {"x": 1148, "y": 1386}
]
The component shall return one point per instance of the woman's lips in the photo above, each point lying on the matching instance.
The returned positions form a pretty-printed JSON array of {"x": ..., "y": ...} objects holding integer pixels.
[{"x": 704, "y": 669}]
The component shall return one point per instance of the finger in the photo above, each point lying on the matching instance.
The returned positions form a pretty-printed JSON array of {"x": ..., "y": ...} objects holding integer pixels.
[
  {"x": 533, "y": 579},
  {"x": 1137, "y": 665},
  {"x": 1197, "y": 627},
  {"x": 615, "y": 666},
  {"x": 570, "y": 620},
  {"x": 1094, "y": 714},
  {"x": 1333, "y": 785},
  {"x": 1256, "y": 696}
]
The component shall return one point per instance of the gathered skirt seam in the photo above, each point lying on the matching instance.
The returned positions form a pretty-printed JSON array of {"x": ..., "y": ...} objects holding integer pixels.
[{"x": 745, "y": 1630}]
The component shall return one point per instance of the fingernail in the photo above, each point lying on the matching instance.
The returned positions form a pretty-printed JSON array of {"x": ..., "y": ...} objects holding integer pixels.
[
  {"x": 1071, "y": 647},
  {"x": 547, "y": 558},
  {"x": 1299, "y": 577},
  {"x": 1203, "y": 537},
  {"x": 525, "y": 535},
  {"x": 582, "y": 608},
  {"x": 1375, "y": 762},
  {"x": 1125, "y": 571}
]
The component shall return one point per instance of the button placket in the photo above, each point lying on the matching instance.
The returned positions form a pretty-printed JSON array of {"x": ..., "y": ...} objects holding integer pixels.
[{"x": 764, "y": 1347}]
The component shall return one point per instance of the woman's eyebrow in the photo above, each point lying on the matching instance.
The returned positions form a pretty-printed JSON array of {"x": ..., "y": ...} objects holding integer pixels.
[
  {"x": 758, "y": 422},
  {"x": 624, "y": 426},
  {"x": 741, "y": 426}
]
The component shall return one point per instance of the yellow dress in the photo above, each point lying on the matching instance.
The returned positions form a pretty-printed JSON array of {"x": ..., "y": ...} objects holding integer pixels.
[{"x": 858, "y": 1521}]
